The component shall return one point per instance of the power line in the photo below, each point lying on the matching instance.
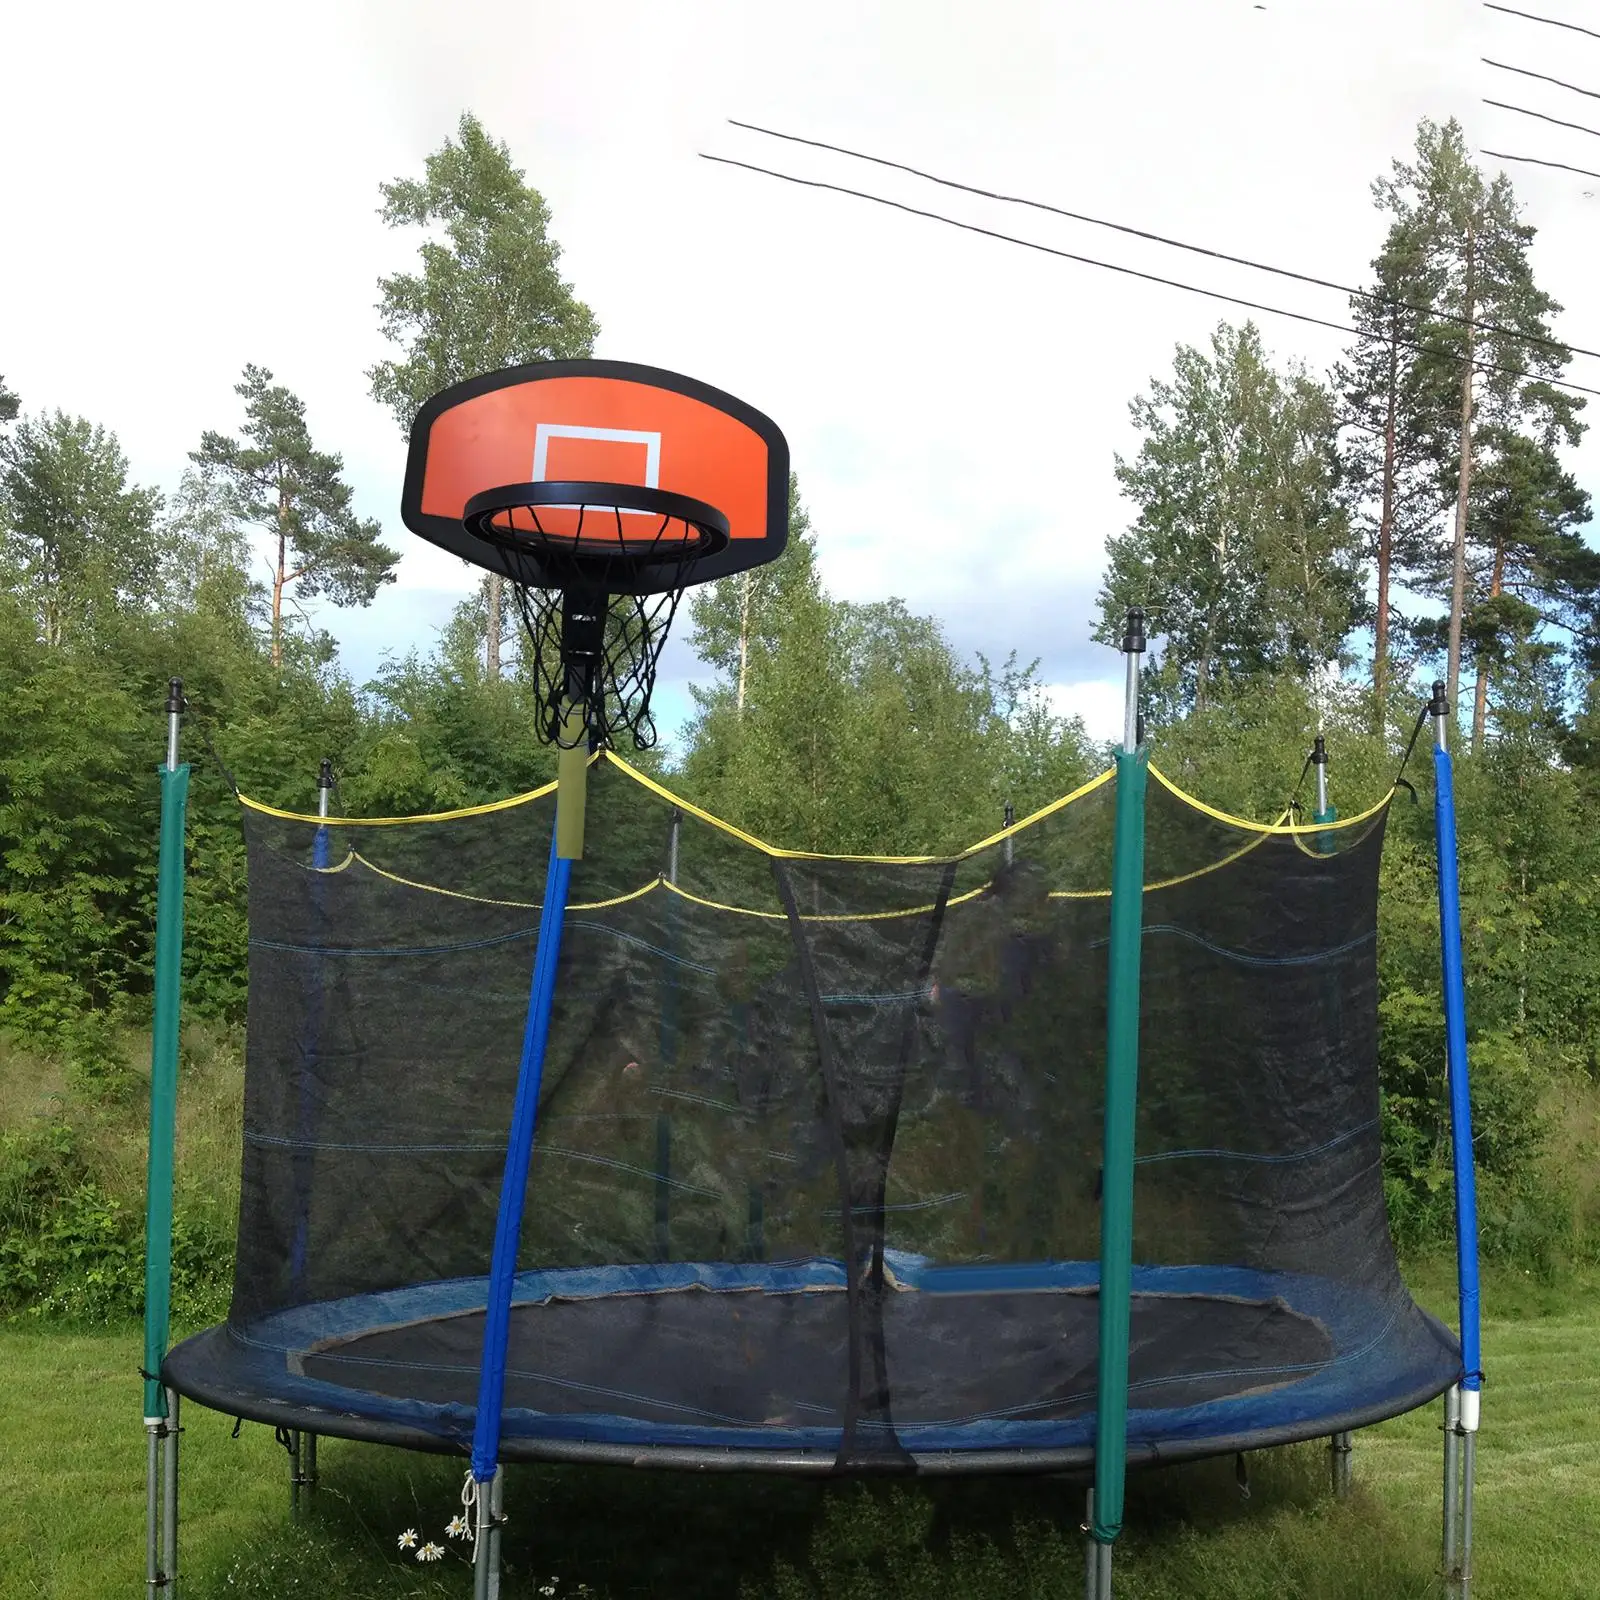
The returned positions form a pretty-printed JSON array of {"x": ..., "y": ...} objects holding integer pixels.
[
  {"x": 1523, "y": 72},
  {"x": 1157, "y": 238},
  {"x": 1511, "y": 11},
  {"x": 1111, "y": 266},
  {"x": 1534, "y": 161},
  {"x": 1578, "y": 126}
]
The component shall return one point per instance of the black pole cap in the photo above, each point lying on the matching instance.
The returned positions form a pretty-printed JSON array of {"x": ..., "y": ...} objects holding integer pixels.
[
  {"x": 1438, "y": 706},
  {"x": 325, "y": 774},
  {"x": 175, "y": 700},
  {"x": 1319, "y": 752},
  {"x": 1133, "y": 633},
  {"x": 1010, "y": 814}
]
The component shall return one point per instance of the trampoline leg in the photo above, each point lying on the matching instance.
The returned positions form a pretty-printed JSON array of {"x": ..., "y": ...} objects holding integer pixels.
[
  {"x": 486, "y": 1539},
  {"x": 1339, "y": 1464},
  {"x": 1102, "y": 1570},
  {"x": 152, "y": 1508},
  {"x": 497, "y": 1521},
  {"x": 1452, "y": 1483},
  {"x": 1096, "y": 1558},
  {"x": 1469, "y": 1451},
  {"x": 302, "y": 1470},
  {"x": 169, "y": 1494}
]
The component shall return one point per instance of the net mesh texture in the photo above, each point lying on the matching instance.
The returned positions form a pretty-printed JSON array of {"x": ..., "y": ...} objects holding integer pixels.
[{"x": 817, "y": 1166}]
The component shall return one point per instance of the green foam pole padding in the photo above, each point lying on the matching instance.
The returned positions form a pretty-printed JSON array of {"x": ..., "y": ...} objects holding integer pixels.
[
  {"x": 1122, "y": 1099},
  {"x": 164, "y": 1086},
  {"x": 1325, "y": 841}
]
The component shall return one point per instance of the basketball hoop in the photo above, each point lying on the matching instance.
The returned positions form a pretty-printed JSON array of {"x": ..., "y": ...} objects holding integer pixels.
[
  {"x": 618, "y": 486},
  {"x": 597, "y": 570}
]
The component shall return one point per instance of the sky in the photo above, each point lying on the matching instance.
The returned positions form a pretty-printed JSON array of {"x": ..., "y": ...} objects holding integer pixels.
[{"x": 190, "y": 187}]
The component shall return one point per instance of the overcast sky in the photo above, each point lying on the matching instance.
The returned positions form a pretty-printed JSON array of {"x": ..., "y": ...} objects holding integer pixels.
[{"x": 188, "y": 187}]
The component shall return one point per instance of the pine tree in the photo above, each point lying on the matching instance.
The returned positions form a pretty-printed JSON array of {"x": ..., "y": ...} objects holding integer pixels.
[
  {"x": 1487, "y": 332},
  {"x": 280, "y": 481},
  {"x": 1393, "y": 425},
  {"x": 1532, "y": 574}
]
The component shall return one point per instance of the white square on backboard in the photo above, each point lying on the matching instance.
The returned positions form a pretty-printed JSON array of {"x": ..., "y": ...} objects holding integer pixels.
[{"x": 547, "y": 431}]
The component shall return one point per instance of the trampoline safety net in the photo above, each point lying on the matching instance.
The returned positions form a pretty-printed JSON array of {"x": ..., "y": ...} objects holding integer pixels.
[{"x": 817, "y": 1164}]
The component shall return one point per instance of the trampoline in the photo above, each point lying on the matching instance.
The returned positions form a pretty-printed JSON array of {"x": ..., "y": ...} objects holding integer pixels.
[
  {"x": 585, "y": 1126},
  {"x": 739, "y": 1106},
  {"x": 689, "y": 1365}
]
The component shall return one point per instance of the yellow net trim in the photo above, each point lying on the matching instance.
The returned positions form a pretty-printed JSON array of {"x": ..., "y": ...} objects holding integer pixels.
[{"x": 1281, "y": 827}]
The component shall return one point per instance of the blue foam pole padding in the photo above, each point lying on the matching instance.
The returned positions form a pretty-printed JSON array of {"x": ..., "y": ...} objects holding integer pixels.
[
  {"x": 514, "y": 1185},
  {"x": 1455, "y": 1024}
]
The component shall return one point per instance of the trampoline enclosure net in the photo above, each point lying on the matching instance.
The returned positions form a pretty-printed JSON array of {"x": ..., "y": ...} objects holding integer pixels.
[{"x": 818, "y": 1144}]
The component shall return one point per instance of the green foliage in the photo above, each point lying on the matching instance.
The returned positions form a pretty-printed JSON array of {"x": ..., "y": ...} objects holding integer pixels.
[
  {"x": 1241, "y": 554},
  {"x": 863, "y": 732},
  {"x": 75, "y": 538},
  {"x": 490, "y": 293},
  {"x": 1461, "y": 249},
  {"x": 275, "y": 478},
  {"x": 69, "y": 1249}
]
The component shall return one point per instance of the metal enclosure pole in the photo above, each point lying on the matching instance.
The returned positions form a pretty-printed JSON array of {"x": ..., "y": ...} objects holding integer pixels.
[
  {"x": 169, "y": 1542},
  {"x": 1339, "y": 1464},
  {"x": 1121, "y": 1105},
  {"x": 153, "y": 1579},
  {"x": 1458, "y": 1515},
  {"x": 1449, "y": 1543},
  {"x": 160, "y": 1403}
]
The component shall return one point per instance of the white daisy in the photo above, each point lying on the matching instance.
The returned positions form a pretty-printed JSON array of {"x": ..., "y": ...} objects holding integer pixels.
[
  {"x": 408, "y": 1539},
  {"x": 431, "y": 1552},
  {"x": 459, "y": 1529}
]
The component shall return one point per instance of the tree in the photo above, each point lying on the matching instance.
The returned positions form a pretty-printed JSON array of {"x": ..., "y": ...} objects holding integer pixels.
[
  {"x": 1241, "y": 552},
  {"x": 8, "y": 402},
  {"x": 729, "y": 615},
  {"x": 1487, "y": 331},
  {"x": 278, "y": 480},
  {"x": 77, "y": 541},
  {"x": 1393, "y": 424},
  {"x": 1533, "y": 571},
  {"x": 489, "y": 294},
  {"x": 205, "y": 555}
]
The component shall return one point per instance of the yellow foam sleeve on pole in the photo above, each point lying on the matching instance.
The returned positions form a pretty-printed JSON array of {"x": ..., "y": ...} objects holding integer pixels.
[{"x": 572, "y": 787}]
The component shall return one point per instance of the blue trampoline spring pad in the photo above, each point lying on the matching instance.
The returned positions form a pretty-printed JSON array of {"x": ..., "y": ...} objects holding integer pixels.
[{"x": 988, "y": 1367}]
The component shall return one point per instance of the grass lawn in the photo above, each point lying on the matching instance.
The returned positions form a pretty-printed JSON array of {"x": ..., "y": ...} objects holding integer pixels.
[{"x": 71, "y": 1503}]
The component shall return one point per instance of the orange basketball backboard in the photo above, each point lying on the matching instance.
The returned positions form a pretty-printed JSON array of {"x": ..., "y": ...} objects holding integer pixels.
[{"x": 599, "y": 422}]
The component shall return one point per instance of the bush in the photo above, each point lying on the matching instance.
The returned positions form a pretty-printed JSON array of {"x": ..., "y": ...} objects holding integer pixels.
[{"x": 70, "y": 1249}]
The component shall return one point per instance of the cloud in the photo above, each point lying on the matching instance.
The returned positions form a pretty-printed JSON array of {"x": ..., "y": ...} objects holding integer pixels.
[{"x": 953, "y": 404}]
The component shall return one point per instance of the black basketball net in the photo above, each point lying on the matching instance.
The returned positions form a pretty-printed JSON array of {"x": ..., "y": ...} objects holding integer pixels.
[
  {"x": 592, "y": 644},
  {"x": 618, "y": 700}
]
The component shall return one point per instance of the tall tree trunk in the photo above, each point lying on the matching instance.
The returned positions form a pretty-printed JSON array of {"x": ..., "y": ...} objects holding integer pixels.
[
  {"x": 1480, "y": 693},
  {"x": 745, "y": 583},
  {"x": 491, "y": 632},
  {"x": 1458, "y": 582},
  {"x": 1380, "y": 643},
  {"x": 279, "y": 579}
]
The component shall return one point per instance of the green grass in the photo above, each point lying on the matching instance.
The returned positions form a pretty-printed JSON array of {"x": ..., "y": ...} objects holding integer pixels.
[{"x": 71, "y": 1509}]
